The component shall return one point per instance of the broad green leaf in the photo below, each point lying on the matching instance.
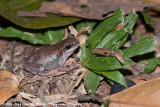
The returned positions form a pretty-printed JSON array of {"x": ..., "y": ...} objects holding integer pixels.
[
  {"x": 152, "y": 63},
  {"x": 112, "y": 38},
  {"x": 95, "y": 62},
  {"x": 54, "y": 35},
  {"x": 104, "y": 27},
  {"x": 102, "y": 37},
  {"x": 145, "y": 45},
  {"x": 9, "y": 9},
  {"x": 131, "y": 18},
  {"x": 103, "y": 63},
  {"x": 117, "y": 38},
  {"x": 86, "y": 52},
  {"x": 127, "y": 62},
  {"x": 120, "y": 43},
  {"x": 110, "y": 81},
  {"x": 91, "y": 82},
  {"x": 86, "y": 23},
  {"x": 51, "y": 36},
  {"x": 158, "y": 60},
  {"x": 115, "y": 76},
  {"x": 147, "y": 18},
  {"x": 96, "y": 37}
]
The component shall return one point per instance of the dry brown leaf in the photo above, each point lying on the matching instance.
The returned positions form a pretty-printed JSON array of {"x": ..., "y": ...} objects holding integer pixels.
[
  {"x": 82, "y": 35},
  {"x": 120, "y": 26},
  {"x": 80, "y": 77},
  {"x": 153, "y": 1},
  {"x": 90, "y": 9},
  {"x": 73, "y": 30},
  {"x": 8, "y": 85},
  {"x": 108, "y": 52},
  {"x": 146, "y": 94}
]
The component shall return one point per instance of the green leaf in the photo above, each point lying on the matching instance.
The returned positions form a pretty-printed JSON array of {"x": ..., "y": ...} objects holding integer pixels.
[
  {"x": 91, "y": 82},
  {"x": 145, "y": 45},
  {"x": 115, "y": 39},
  {"x": 54, "y": 35},
  {"x": 9, "y": 9},
  {"x": 86, "y": 52},
  {"x": 95, "y": 62},
  {"x": 152, "y": 63},
  {"x": 158, "y": 60},
  {"x": 110, "y": 81},
  {"x": 51, "y": 36},
  {"x": 120, "y": 42},
  {"x": 105, "y": 36},
  {"x": 102, "y": 63},
  {"x": 131, "y": 19},
  {"x": 90, "y": 60},
  {"x": 104, "y": 27},
  {"x": 127, "y": 62},
  {"x": 147, "y": 18},
  {"x": 115, "y": 76},
  {"x": 112, "y": 38}
]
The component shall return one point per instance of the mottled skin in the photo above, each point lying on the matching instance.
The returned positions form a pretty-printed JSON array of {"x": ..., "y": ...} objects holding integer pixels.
[{"x": 50, "y": 57}]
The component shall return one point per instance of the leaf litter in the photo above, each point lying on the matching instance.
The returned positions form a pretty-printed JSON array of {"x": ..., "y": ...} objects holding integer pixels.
[{"x": 59, "y": 86}]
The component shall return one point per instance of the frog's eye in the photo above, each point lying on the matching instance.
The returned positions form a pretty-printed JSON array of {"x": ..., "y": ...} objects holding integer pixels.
[{"x": 67, "y": 46}]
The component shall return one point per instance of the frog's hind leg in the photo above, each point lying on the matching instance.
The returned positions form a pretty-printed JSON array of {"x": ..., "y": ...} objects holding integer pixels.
[{"x": 34, "y": 68}]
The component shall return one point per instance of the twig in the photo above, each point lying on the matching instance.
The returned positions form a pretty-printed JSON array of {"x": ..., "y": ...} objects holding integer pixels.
[{"x": 81, "y": 76}]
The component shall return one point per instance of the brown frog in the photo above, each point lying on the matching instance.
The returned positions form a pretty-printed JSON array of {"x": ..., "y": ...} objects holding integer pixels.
[{"x": 50, "y": 57}]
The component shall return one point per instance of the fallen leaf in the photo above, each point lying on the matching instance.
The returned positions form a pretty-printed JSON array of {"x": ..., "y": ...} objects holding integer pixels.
[
  {"x": 73, "y": 30},
  {"x": 90, "y": 9},
  {"x": 153, "y": 1},
  {"x": 8, "y": 85},
  {"x": 146, "y": 94},
  {"x": 82, "y": 35},
  {"x": 120, "y": 26},
  {"x": 108, "y": 52}
]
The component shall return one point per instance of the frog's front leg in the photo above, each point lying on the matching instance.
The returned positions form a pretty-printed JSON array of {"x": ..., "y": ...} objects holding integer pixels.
[{"x": 63, "y": 69}]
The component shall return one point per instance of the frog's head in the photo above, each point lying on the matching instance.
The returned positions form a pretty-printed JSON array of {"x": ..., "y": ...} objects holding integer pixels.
[{"x": 69, "y": 46}]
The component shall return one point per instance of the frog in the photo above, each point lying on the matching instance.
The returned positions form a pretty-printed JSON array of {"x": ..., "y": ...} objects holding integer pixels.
[{"x": 49, "y": 57}]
